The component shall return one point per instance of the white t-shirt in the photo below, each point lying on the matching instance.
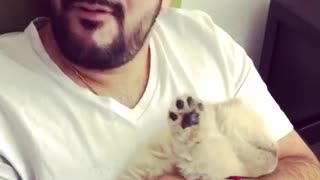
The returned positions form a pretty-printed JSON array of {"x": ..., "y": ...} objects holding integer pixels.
[{"x": 52, "y": 129}]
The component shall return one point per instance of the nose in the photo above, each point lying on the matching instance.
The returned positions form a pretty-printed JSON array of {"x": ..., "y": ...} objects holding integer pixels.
[{"x": 190, "y": 119}]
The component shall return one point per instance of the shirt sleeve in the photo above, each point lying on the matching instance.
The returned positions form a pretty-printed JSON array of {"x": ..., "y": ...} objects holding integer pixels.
[
  {"x": 243, "y": 79},
  {"x": 252, "y": 88},
  {"x": 6, "y": 171}
]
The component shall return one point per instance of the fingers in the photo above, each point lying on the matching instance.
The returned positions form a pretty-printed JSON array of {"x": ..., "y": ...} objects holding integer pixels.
[{"x": 171, "y": 177}]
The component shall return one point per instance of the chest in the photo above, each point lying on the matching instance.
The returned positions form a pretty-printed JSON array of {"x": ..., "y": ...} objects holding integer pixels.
[
  {"x": 60, "y": 135},
  {"x": 75, "y": 139}
]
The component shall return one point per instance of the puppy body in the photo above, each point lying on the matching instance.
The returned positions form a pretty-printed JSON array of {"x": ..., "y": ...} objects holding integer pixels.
[{"x": 229, "y": 140}]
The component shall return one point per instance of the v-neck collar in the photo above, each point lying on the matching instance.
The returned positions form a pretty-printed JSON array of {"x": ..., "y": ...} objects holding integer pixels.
[{"x": 105, "y": 102}]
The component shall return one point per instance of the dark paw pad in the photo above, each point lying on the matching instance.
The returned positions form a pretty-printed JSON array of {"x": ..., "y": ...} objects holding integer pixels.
[
  {"x": 190, "y": 119},
  {"x": 173, "y": 116},
  {"x": 180, "y": 104},
  {"x": 186, "y": 112},
  {"x": 190, "y": 101},
  {"x": 200, "y": 106}
]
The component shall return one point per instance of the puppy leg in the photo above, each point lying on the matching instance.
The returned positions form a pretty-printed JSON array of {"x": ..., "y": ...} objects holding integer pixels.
[
  {"x": 185, "y": 117},
  {"x": 250, "y": 139},
  {"x": 151, "y": 161},
  {"x": 227, "y": 139}
]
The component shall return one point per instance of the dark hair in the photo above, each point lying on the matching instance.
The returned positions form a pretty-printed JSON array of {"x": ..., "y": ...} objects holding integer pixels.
[{"x": 42, "y": 7}]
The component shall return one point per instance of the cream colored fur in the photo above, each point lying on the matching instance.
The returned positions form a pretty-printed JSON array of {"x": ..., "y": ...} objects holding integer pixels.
[{"x": 230, "y": 140}]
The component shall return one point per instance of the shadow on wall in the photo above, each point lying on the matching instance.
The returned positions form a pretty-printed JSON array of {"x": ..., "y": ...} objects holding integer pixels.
[{"x": 15, "y": 15}]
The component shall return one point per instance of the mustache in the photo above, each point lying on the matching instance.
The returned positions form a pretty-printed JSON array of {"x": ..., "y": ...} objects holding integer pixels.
[{"x": 117, "y": 8}]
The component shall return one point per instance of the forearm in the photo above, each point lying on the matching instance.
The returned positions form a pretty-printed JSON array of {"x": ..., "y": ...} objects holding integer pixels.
[
  {"x": 295, "y": 168},
  {"x": 291, "y": 168}
]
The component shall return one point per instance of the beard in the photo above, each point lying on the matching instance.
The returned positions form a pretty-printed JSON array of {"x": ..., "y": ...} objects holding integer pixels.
[{"x": 121, "y": 50}]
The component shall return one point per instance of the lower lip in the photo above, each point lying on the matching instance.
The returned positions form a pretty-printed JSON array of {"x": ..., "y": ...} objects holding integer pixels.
[{"x": 92, "y": 15}]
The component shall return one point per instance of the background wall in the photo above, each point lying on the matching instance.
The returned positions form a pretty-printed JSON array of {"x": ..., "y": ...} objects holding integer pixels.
[
  {"x": 175, "y": 3},
  {"x": 244, "y": 20}
]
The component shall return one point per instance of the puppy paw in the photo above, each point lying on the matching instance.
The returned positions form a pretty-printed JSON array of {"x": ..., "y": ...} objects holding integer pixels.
[
  {"x": 186, "y": 111},
  {"x": 184, "y": 120}
]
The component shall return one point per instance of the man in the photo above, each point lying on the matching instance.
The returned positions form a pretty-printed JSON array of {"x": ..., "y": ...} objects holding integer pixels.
[{"x": 81, "y": 90}]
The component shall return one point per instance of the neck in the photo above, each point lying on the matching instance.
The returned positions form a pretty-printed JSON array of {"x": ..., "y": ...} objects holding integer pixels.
[{"x": 106, "y": 82}]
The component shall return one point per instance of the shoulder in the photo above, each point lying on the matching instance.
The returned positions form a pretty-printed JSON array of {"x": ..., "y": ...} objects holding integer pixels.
[
  {"x": 180, "y": 17},
  {"x": 12, "y": 52},
  {"x": 195, "y": 33},
  {"x": 201, "y": 25},
  {"x": 13, "y": 48},
  {"x": 19, "y": 50},
  {"x": 19, "y": 61},
  {"x": 201, "y": 46},
  {"x": 181, "y": 22},
  {"x": 11, "y": 41}
]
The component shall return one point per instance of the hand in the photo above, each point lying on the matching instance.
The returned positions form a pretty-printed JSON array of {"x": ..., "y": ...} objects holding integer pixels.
[{"x": 171, "y": 177}]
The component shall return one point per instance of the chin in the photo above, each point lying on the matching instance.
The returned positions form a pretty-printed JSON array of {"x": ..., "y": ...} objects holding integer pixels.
[{"x": 105, "y": 35}]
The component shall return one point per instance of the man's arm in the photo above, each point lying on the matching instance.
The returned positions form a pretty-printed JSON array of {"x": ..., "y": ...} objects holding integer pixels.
[{"x": 296, "y": 160}]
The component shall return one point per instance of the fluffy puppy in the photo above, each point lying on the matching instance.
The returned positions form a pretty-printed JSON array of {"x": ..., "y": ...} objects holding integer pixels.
[{"x": 207, "y": 142}]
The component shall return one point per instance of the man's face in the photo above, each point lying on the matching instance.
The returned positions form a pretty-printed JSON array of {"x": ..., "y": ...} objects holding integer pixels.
[{"x": 102, "y": 34}]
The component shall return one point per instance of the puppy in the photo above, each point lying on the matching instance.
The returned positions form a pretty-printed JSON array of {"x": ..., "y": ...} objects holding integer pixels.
[{"x": 207, "y": 142}]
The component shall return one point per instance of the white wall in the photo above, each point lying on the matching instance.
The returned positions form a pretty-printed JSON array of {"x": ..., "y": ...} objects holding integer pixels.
[{"x": 244, "y": 20}]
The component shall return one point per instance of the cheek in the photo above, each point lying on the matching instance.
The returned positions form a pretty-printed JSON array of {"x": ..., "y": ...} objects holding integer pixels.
[
  {"x": 135, "y": 12},
  {"x": 129, "y": 4}
]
